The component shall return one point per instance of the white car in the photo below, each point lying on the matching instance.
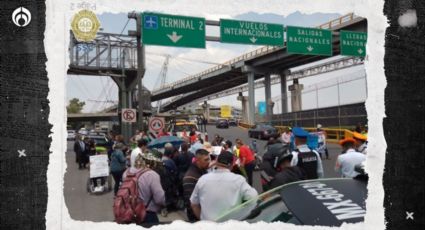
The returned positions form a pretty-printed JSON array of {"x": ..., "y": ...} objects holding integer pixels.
[{"x": 71, "y": 135}]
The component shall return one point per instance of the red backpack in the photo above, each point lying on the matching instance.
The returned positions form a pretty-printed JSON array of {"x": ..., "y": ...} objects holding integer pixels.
[{"x": 128, "y": 208}]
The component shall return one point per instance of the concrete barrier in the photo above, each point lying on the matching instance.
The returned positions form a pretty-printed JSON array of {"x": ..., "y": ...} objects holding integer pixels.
[{"x": 245, "y": 125}]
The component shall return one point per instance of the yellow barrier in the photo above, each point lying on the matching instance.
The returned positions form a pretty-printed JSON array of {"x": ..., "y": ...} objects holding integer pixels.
[{"x": 332, "y": 135}]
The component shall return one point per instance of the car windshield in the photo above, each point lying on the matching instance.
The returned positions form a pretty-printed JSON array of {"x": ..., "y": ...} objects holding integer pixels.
[
  {"x": 267, "y": 207},
  {"x": 188, "y": 127}
]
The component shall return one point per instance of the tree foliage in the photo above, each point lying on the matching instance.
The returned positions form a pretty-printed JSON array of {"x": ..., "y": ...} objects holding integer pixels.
[{"x": 75, "y": 105}]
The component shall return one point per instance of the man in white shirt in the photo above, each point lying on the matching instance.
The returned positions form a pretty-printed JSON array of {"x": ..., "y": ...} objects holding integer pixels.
[
  {"x": 220, "y": 190},
  {"x": 361, "y": 142},
  {"x": 141, "y": 147},
  {"x": 347, "y": 161},
  {"x": 286, "y": 137}
]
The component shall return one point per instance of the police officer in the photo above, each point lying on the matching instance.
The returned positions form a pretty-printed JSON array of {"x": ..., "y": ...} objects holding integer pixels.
[{"x": 304, "y": 157}]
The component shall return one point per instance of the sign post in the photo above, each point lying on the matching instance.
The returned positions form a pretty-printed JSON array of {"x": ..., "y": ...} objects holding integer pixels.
[
  {"x": 353, "y": 43},
  {"x": 311, "y": 41},
  {"x": 253, "y": 33},
  {"x": 171, "y": 30},
  {"x": 128, "y": 115}
]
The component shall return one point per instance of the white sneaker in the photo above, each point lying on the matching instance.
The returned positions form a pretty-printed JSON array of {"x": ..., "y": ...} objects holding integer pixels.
[{"x": 98, "y": 189}]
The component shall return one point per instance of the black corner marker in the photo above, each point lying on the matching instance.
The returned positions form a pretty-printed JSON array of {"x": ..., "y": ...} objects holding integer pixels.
[
  {"x": 404, "y": 123},
  {"x": 24, "y": 135}
]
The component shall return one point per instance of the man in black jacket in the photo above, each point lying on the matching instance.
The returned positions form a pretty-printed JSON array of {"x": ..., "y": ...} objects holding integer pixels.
[
  {"x": 195, "y": 171},
  {"x": 287, "y": 173},
  {"x": 80, "y": 149}
]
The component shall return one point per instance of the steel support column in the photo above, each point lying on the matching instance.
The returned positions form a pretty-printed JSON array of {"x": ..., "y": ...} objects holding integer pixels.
[
  {"x": 268, "y": 93},
  {"x": 123, "y": 104},
  {"x": 283, "y": 93},
  {"x": 251, "y": 97},
  {"x": 244, "y": 100},
  {"x": 296, "y": 96}
]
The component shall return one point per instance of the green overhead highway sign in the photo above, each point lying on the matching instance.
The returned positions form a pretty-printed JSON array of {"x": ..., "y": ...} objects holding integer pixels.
[
  {"x": 257, "y": 33},
  {"x": 171, "y": 30},
  {"x": 312, "y": 41},
  {"x": 353, "y": 43}
]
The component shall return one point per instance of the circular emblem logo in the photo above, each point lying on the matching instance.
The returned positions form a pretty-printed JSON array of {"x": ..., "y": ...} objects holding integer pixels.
[
  {"x": 21, "y": 17},
  {"x": 85, "y": 25}
]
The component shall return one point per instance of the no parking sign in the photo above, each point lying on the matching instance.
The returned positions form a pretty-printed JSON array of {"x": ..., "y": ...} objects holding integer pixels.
[{"x": 128, "y": 115}]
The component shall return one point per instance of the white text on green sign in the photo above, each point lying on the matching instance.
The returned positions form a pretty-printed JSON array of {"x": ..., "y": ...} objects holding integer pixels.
[
  {"x": 309, "y": 41},
  {"x": 257, "y": 33},
  {"x": 353, "y": 43},
  {"x": 170, "y": 30}
]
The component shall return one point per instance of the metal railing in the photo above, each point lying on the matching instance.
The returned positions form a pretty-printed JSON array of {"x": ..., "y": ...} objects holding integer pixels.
[
  {"x": 332, "y": 135},
  {"x": 338, "y": 21},
  {"x": 105, "y": 51},
  {"x": 250, "y": 55}
]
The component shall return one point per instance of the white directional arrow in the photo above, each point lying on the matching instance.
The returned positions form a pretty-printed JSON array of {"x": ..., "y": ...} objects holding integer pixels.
[
  {"x": 309, "y": 48},
  {"x": 360, "y": 51},
  {"x": 175, "y": 38},
  {"x": 253, "y": 39}
]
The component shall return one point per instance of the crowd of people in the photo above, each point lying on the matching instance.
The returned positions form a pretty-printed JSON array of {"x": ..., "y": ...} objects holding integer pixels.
[{"x": 209, "y": 178}]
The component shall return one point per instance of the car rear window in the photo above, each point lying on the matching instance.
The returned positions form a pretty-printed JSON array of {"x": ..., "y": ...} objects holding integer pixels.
[{"x": 188, "y": 127}]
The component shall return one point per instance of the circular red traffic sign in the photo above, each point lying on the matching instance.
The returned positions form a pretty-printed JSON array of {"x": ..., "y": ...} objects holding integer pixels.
[
  {"x": 129, "y": 115},
  {"x": 156, "y": 124}
]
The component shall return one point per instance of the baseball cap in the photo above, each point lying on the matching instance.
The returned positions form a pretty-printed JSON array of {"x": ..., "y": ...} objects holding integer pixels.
[
  {"x": 359, "y": 136},
  {"x": 346, "y": 140},
  {"x": 225, "y": 158},
  {"x": 300, "y": 132}
]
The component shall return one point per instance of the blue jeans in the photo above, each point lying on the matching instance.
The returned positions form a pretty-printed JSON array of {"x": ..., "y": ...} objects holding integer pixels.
[{"x": 249, "y": 168}]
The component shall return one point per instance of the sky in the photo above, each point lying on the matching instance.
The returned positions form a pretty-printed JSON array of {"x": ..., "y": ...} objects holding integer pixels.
[{"x": 100, "y": 91}]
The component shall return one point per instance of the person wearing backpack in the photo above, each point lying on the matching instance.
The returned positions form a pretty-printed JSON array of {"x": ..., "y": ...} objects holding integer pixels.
[
  {"x": 140, "y": 196},
  {"x": 304, "y": 157},
  {"x": 117, "y": 165}
]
